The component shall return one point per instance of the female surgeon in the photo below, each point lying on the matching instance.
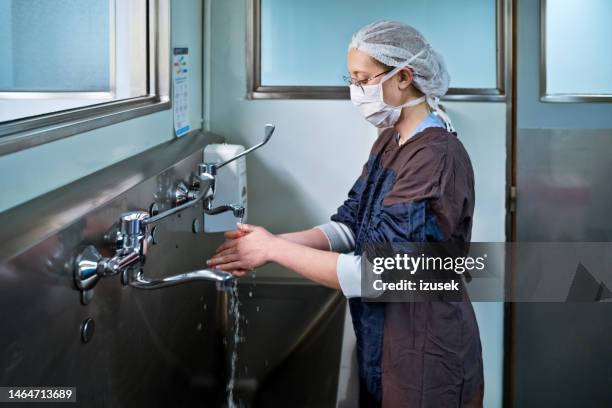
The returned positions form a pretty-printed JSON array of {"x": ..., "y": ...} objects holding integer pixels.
[{"x": 417, "y": 186}]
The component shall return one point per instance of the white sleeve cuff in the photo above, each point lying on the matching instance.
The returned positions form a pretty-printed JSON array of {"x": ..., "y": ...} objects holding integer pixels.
[
  {"x": 339, "y": 235},
  {"x": 348, "y": 268}
]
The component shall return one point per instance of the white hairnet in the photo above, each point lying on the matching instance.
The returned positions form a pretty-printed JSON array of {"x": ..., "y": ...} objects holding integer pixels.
[{"x": 397, "y": 44}]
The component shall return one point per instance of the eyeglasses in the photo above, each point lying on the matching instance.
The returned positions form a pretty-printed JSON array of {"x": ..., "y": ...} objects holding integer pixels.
[{"x": 360, "y": 83}]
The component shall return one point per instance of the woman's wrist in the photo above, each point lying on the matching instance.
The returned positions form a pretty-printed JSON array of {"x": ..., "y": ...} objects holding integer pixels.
[
  {"x": 272, "y": 249},
  {"x": 312, "y": 238}
]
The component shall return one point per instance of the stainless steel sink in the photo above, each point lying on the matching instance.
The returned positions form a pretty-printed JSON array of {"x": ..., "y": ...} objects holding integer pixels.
[
  {"x": 291, "y": 343},
  {"x": 167, "y": 347}
]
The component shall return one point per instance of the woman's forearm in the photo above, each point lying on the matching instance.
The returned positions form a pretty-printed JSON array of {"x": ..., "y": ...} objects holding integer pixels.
[
  {"x": 314, "y": 264},
  {"x": 312, "y": 238}
]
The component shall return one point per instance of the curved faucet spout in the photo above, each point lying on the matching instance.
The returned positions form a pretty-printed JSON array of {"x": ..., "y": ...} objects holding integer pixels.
[
  {"x": 236, "y": 209},
  {"x": 138, "y": 280}
]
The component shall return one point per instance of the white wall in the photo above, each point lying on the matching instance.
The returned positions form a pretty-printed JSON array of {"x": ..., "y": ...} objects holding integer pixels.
[
  {"x": 29, "y": 173},
  {"x": 301, "y": 177}
]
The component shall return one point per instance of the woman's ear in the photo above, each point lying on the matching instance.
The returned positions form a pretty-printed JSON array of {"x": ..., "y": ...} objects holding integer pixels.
[{"x": 404, "y": 77}]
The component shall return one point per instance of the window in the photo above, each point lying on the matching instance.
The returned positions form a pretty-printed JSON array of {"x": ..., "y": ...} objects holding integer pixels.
[
  {"x": 286, "y": 60},
  {"x": 67, "y": 60},
  {"x": 576, "y": 63}
]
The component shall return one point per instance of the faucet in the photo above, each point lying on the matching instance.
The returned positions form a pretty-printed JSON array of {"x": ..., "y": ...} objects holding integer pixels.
[
  {"x": 236, "y": 209},
  {"x": 133, "y": 237},
  {"x": 132, "y": 244}
]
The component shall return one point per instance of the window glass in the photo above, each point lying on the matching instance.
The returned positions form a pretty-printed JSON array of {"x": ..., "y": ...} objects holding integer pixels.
[
  {"x": 578, "y": 50},
  {"x": 55, "y": 45},
  {"x": 59, "y": 55},
  {"x": 304, "y": 43}
]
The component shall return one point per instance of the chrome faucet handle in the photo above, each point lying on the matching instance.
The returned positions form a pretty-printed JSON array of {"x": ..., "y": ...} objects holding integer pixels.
[
  {"x": 90, "y": 265},
  {"x": 181, "y": 194},
  {"x": 269, "y": 130},
  {"x": 88, "y": 268},
  {"x": 133, "y": 230}
]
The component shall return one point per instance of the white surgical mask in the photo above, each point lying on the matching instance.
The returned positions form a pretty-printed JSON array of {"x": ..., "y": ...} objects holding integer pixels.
[{"x": 372, "y": 105}]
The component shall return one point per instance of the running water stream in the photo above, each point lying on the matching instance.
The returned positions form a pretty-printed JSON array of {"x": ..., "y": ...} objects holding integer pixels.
[{"x": 234, "y": 313}]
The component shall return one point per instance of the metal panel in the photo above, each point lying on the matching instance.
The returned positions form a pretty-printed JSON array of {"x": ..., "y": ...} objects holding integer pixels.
[
  {"x": 563, "y": 195},
  {"x": 564, "y": 189}
]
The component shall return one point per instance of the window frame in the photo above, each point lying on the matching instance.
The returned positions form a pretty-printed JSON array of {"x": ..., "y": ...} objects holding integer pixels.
[
  {"x": 560, "y": 97},
  {"x": 27, "y": 132},
  {"x": 255, "y": 90}
]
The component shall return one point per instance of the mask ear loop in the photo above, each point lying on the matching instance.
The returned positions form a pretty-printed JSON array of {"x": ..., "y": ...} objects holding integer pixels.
[
  {"x": 396, "y": 70},
  {"x": 384, "y": 78},
  {"x": 434, "y": 102}
]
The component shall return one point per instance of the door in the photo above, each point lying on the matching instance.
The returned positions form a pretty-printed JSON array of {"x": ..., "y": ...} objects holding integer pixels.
[{"x": 561, "y": 352}]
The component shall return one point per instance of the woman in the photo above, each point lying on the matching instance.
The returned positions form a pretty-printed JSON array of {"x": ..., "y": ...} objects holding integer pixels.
[{"x": 417, "y": 186}]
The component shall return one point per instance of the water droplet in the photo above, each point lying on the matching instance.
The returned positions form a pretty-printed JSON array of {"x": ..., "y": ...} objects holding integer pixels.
[
  {"x": 204, "y": 306},
  {"x": 257, "y": 308},
  {"x": 199, "y": 327},
  {"x": 250, "y": 294}
]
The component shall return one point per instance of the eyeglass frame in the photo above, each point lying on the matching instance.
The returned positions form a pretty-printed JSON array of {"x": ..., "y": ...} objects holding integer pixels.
[{"x": 360, "y": 83}]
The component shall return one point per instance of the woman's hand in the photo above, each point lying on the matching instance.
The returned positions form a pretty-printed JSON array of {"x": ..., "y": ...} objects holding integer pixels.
[
  {"x": 233, "y": 235},
  {"x": 247, "y": 248}
]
